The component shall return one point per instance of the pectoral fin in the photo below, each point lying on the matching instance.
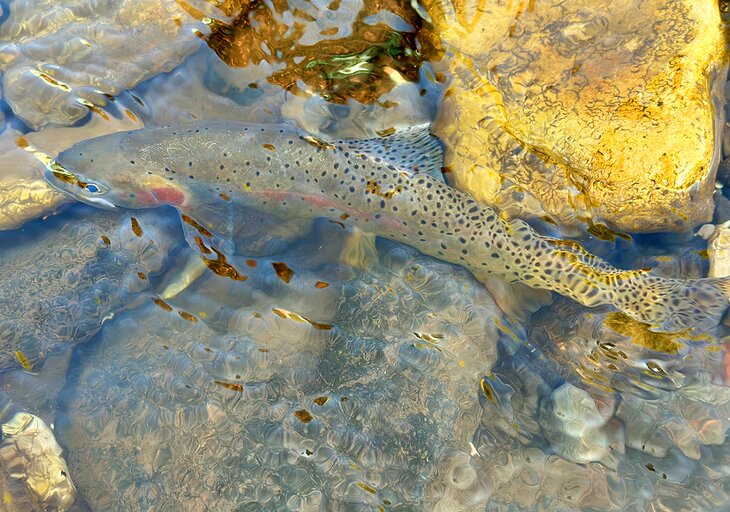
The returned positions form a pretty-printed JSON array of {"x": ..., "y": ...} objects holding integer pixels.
[
  {"x": 514, "y": 299},
  {"x": 184, "y": 274},
  {"x": 208, "y": 228}
]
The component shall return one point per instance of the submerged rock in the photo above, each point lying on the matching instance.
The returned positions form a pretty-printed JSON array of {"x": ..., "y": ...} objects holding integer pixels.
[
  {"x": 667, "y": 392},
  {"x": 62, "y": 280},
  {"x": 312, "y": 392},
  {"x": 525, "y": 479},
  {"x": 35, "y": 475},
  {"x": 585, "y": 113},
  {"x": 62, "y": 60},
  {"x": 25, "y": 198},
  {"x": 206, "y": 88},
  {"x": 718, "y": 248},
  {"x": 338, "y": 50},
  {"x": 575, "y": 428}
]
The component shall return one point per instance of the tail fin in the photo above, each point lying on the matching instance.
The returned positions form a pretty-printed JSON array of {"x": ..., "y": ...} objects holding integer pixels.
[
  {"x": 672, "y": 305},
  {"x": 665, "y": 304}
]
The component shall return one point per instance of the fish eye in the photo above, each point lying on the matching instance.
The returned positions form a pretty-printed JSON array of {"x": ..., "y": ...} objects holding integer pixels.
[{"x": 93, "y": 188}]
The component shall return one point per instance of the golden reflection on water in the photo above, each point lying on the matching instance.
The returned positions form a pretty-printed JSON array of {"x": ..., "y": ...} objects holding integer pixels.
[
  {"x": 668, "y": 343},
  {"x": 363, "y": 65},
  {"x": 283, "y": 271},
  {"x": 283, "y": 313}
]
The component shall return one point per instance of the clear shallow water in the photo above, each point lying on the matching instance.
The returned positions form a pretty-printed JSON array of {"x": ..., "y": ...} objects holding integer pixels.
[{"x": 355, "y": 377}]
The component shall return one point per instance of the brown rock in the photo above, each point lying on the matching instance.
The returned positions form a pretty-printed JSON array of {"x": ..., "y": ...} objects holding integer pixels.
[{"x": 573, "y": 110}]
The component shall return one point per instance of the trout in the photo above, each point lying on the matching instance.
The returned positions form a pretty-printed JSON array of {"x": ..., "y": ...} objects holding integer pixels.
[{"x": 390, "y": 187}]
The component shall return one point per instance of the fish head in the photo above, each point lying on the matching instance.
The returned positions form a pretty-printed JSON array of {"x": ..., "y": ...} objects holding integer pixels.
[{"x": 102, "y": 173}]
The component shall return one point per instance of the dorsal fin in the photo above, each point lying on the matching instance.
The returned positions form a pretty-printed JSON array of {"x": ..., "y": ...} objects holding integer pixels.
[{"x": 413, "y": 150}]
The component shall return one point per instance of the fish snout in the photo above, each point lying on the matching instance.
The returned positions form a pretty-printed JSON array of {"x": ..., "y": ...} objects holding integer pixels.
[
  {"x": 71, "y": 184},
  {"x": 98, "y": 202}
]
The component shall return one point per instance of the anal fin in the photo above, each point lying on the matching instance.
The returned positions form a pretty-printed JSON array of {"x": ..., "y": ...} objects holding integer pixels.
[
  {"x": 358, "y": 250},
  {"x": 515, "y": 299}
]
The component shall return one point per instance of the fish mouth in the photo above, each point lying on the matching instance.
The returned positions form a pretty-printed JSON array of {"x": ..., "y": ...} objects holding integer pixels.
[
  {"x": 99, "y": 201},
  {"x": 54, "y": 172},
  {"x": 64, "y": 180}
]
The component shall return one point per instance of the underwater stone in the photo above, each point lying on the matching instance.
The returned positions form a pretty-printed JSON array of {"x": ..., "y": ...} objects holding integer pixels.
[
  {"x": 576, "y": 430},
  {"x": 590, "y": 112},
  {"x": 278, "y": 414},
  {"x": 31, "y": 456},
  {"x": 687, "y": 421},
  {"x": 204, "y": 87},
  {"x": 329, "y": 49},
  {"x": 670, "y": 395},
  {"x": 24, "y": 194},
  {"x": 23, "y": 199},
  {"x": 460, "y": 487},
  {"x": 62, "y": 60},
  {"x": 525, "y": 479},
  {"x": 718, "y": 251},
  {"x": 63, "y": 279}
]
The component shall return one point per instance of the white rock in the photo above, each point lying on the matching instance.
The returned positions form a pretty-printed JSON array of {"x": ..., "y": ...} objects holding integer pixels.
[{"x": 31, "y": 454}]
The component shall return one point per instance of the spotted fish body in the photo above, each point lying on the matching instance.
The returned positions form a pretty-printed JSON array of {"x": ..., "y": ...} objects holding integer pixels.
[{"x": 384, "y": 186}]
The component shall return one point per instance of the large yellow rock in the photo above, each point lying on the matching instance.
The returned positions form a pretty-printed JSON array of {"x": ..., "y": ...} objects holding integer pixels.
[{"x": 581, "y": 111}]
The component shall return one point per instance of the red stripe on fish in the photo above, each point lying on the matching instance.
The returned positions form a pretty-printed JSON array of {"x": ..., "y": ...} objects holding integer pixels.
[
  {"x": 386, "y": 221},
  {"x": 169, "y": 195}
]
